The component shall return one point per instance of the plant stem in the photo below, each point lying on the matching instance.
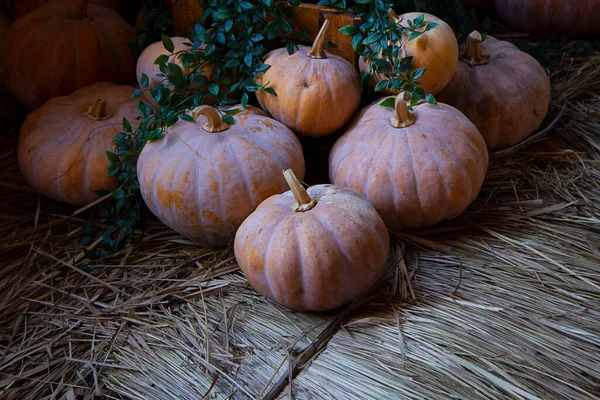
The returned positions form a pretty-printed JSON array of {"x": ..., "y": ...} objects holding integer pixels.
[
  {"x": 473, "y": 54},
  {"x": 81, "y": 10},
  {"x": 215, "y": 123},
  {"x": 316, "y": 50},
  {"x": 98, "y": 110},
  {"x": 303, "y": 201},
  {"x": 402, "y": 116}
]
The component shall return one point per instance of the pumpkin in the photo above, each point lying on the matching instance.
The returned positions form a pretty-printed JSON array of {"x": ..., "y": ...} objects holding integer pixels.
[
  {"x": 203, "y": 178},
  {"x": 145, "y": 65},
  {"x": 436, "y": 50},
  {"x": 185, "y": 15},
  {"x": 62, "y": 146},
  {"x": 505, "y": 92},
  {"x": 312, "y": 250},
  {"x": 61, "y": 47},
  {"x": 4, "y": 27},
  {"x": 575, "y": 17},
  {"x": 317, "y": 92},
  {"x": 416, "y": 167},
  {"x": 23, "y": 7}
]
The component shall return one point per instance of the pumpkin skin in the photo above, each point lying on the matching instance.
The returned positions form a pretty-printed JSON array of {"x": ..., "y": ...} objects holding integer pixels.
[
  {"x": 145, "y": 64},
  {"x": 78, "y": 50},
  {"x": 435, "y": 50},
  {"x": 63, "y": 144},
  {"x": 23, "y": 7},
  {"x": 315, "y": 250},
  {"x": 203, "y": 184},
  {"x": 426, "y": 170},
  {"x": 185, "y": 15},
  {"x": 575, "y": 17},
  {"x": 505, "y": 92},
  {"x": 321, "y": 97}
]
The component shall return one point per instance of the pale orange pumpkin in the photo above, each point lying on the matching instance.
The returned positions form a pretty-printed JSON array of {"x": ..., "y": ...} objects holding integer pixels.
[
  {"x": 505, "y": 92},
  {"x": 63, "y": 144},
  {"x": 23, "y": 7},
  {"x": 203, "y": 178},
  {"x": 61, "y": 47},
  {"x": 435, "y": 50},
  {"x": 317, "y": 92},
  {"x": 145, "y": 65},
  {"x": 312, "y": 250},
  {"x": 416, "y": 167}
]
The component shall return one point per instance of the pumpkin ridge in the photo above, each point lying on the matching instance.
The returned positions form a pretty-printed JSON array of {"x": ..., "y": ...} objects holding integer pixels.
[
  {"x": 299, "y": 241},
  {"x": 260, "y": 149},
  {"x": 274, "y": 238},
  {"x": 241, "y": 166},
  {"x": 372, "y": 164},
  {"x": 412, "y": 167}
]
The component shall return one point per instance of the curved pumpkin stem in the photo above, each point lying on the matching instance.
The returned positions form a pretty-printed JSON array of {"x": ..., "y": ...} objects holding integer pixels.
[
  {"x": 98, "y": 110},
  {"x": 473, "y": 54},
  {"x": 81, "y": 10},
  {"x": 316, "y": 50},
  {"x": 303, "y": 201},
  {"x": 215, "y": 123},
  {"x": 394, "y": 17},
  {"x": 402, "y": 116}
]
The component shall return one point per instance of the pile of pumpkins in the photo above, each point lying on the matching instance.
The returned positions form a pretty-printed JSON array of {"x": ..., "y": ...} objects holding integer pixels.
[{"x": 396, "y": 167}]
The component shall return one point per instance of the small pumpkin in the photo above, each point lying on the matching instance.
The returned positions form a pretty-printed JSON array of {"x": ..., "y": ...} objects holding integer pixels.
[
  {"x": 317, "y": 92},
  {"x": 205, "y": 177},
  {"x": 145, "y": 65},
  {"x": 312, "y": 250},
  {"x": 551, "y": 17},
  {"x": 63, "y": 144},
  {"x": 416, "y": 167},
  {"x": 504, "y": 91},
  {"x": 23, "y": 7},
  {"x": 436, "y": 50},
  {"x": 79, "y": 44},
  {"x": 185, "y": 15}
]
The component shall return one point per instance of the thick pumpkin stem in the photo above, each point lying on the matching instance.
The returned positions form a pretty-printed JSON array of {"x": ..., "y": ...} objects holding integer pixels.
[
  {"x": 81, "y": 10},
  {"x": 303, "y": 201},
  {"x": 473, "y": 54},
  {"x": 98, "y": 110},
  {"x": 317, "y": 48},
  {"x": 402, "y": 117},
  {"x": 214, "y": 124}
]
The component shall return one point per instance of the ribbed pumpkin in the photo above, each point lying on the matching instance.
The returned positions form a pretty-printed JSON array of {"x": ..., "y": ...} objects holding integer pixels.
[
  {"x": 145, "y": 64},
  {"x": 435, "y": 50},
  {"x": 502, "y": 90},
  {"x": 62, "y": 46},
  {"x": 205, "y": 177},
  {"x": 22, "y": 7},
  {"x": 63, "y": 144},
  {"x": 185, "y": 15},
  {"x": 312, "y": 250},
  {"x": 4, "y": 27},
  {"x": 551, "y": 17},
  {"x": 416, "y": 167},
  {"x": 317, "y": 92}
]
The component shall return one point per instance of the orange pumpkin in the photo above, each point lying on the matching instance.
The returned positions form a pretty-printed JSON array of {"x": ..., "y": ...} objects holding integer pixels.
[
  {"x": 573, "y": 17},
  {"x": 23, "y": 7},
  {"x": 317, "y": 92},
  {"x": 82, "y": 44},
  {"x": 4, "y": 27},
  {"x": 312, "y": 250},
  {"x": 435, "y": 50},
  {"x": 185, "y": 15},
  {"x": 145, "y": 65},
  {"x": 205, "y": 177},
  {"x": 63, "y": 144},
  {"x": 416, "y": 167},
  {"x": 505, "y": 92}
]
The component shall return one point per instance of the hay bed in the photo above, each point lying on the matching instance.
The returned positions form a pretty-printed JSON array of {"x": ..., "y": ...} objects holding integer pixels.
[{"x": 502, "y": 303}]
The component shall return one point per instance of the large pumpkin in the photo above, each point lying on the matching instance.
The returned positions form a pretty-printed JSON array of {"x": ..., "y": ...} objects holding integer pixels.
[
  {"x": 63, "y": 144},
  {"x": 185, "y": 15},
  {"x": 23, "y": 7},
  {"x": 317, "y": 92},
  {"x": 416, "y": 167},
  {"x": 574, "y": 17},
  {"x": 312, "y": 250},
  {"x": 63, "y": 46},
  {"x": 436, "y": 50},
  {"x": 502, "y": 90},
  {"x": 203, "y": 178},
  {"x": 145, "y": 65}
]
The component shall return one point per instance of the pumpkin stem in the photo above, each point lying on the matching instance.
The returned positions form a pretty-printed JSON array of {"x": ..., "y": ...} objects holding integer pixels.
[
  {"x": 473, "y": 54},
  {"x": 98, "y": 110},
  {"x": 215, "y": 123},
  {"x": 316, "y": 50},
  {"x": 303, "y": 201},
  {"x": 81, "y": 10},
  {"x": 394, "y": 17},
  {"x": 402, "y": 117}
]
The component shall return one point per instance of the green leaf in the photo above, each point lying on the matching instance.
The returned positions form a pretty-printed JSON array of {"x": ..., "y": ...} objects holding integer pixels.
[
  {"x": 271, "y": 91},
  {"x": 112, "y": 157},
  {"x": 244, "y": 100},
  {"x": 144, "y": 80},
  {"x": 389, "y": 102},
  {"x": 136, "y": 93},
  {"x": 126, "y": 125},
  {"x": 168, "y": 43},
  {"x": 228, "y": 119},
  {"x": 187, "y": 117},
  {"x": 429, "y": 98},
  {"x": 214, "y": 89},
  {"x": 349, "y": 30},
  {"x": 414, "y": 35},
  {"x": 381, "y": 85},
  {"x": 162, "y": 59}
]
